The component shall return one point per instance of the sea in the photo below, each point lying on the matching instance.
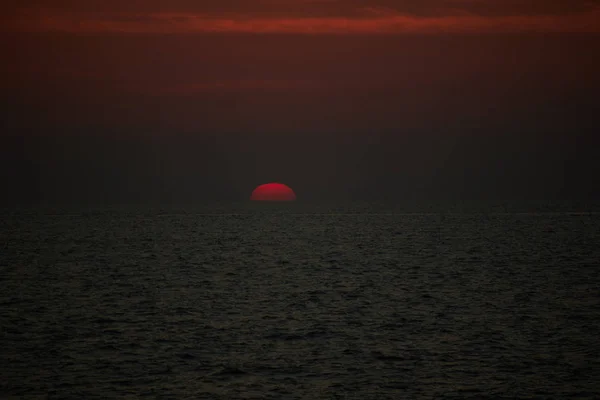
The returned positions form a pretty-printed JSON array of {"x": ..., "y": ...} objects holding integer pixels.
[{"x": 300, "y": 301}]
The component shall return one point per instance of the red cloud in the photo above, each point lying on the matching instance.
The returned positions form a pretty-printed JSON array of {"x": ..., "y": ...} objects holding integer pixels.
[{"x": 371, "y": 21}]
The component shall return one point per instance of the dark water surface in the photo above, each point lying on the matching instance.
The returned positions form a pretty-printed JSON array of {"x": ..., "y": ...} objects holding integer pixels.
[{"x": 298, "y": 302}]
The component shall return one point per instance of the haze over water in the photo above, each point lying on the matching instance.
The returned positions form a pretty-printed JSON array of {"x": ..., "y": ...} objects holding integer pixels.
[{"x": 301, "y": 301}]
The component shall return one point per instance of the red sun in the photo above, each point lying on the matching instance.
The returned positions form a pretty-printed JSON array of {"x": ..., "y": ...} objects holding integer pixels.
[{"x": 273, "y": 192}]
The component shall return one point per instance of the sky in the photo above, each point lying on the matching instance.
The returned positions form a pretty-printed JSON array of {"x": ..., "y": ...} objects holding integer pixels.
[{"x": 193, "y": 101}]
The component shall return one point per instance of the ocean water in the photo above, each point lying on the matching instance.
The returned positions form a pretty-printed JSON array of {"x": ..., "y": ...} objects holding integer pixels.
[{"x": 290, "y": 301}]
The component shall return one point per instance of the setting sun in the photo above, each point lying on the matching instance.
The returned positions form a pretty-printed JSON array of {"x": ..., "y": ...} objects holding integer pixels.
[{"x": 273, "y": 192}]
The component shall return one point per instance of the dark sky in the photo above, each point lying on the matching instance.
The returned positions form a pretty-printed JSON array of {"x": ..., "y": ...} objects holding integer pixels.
[{"x": 188, "y": 101}]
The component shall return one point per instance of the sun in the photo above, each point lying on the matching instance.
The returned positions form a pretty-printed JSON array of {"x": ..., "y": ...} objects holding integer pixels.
[{"x": 273, "y": 192}]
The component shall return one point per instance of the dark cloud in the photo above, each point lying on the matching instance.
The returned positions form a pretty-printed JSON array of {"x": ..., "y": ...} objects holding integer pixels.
[
  {"x": 487, "y": 8},
  {"x": 317, "y": 8}
]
